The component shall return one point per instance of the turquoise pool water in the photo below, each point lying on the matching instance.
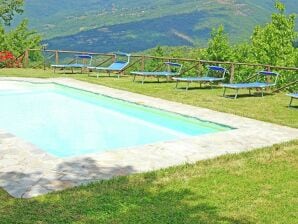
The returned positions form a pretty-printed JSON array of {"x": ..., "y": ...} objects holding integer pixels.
[{"x": 68, "y": 122}]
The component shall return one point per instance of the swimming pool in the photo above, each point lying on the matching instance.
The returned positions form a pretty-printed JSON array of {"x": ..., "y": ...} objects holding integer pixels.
[{"x": 68, "y": 122}]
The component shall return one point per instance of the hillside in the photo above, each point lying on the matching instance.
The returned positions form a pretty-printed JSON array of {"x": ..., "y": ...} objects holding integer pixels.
[{"x": 106, "y": 25}]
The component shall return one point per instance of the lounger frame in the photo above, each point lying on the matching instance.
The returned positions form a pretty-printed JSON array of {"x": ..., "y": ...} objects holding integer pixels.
[
  {"x": 204, "y": 79},
  {"x": 159, "y": 74},
  {"x": 117, "y": 66},
  {"x": 293, "y": 96},
  {"x": 252, "y": 85},
  {"x": 77, "y": 64}
]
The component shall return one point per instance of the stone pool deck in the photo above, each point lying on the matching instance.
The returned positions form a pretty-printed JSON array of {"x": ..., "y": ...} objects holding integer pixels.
[{"x": 26, "y": 171}]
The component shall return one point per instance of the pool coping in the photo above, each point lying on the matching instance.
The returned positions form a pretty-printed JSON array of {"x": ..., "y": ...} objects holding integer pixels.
[{"x": 26, "y": 171}]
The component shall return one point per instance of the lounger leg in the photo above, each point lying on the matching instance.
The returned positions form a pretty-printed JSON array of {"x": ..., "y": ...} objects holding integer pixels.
[
  {"x": 249, "y": 90},
  {"x": 187, "y": 87},
  {"x": 291, "y": 102},
  {"x": 224, "y": 93},
  {"x": 143, "y": 80},
  {"x": 89, "y": 72},
  {"x": 262, "y": 90},
  {"x": 118, "y": 75},
  {"x": 157, "y": 79},
  {"x": 134, "y": 78},
  {"x": 176, "y": 84},
  {"x": 236, "y": 95}
]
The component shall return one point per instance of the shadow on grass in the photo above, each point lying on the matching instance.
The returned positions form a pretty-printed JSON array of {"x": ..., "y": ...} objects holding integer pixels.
[
  {"x": 127, "y": 199},
  {"x": 203, "y": 87},
  {"x": 65, "y": 71},
  {"x": 247, "y": 95},
  {"x": 101, "y": 75},
  {"x": 295, "y": 107},
  {"x": 148, "y": 82},
  {"x": 120, "y": 200}
]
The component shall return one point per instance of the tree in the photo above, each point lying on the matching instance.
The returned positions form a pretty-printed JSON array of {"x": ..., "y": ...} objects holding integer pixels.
[
  {"x": 155, "y": 63},
  {"x": 8, "y": 8},
  {"x": 219, "y": 48},
  {"x": 158, "y": 52},
  {"x": 21, "y": 38},
  {"x": 2, "y": 37},
  {"x": 273, "y": 43}
]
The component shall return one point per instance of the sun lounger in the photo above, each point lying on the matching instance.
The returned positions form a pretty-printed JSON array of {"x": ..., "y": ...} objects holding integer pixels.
[
  {"x": 261, "y": 85},
  {"x": 169, "y": 73},
  {"x": 81, "y": 61},
  {"x": 293, "y": 96},
  {"x": 204, "y": 79},
  {"x": 117, "y": 66}
]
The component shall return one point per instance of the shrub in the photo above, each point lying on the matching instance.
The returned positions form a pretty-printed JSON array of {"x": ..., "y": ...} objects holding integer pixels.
[{"x": 6, "y": 59}]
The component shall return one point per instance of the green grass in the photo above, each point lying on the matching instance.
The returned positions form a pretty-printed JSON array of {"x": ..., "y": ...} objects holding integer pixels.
[
  {"x": 255, "y": 187},
  {"x": 271, "y": 108}
]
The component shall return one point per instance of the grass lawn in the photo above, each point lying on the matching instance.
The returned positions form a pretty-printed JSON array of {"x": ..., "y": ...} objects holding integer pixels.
[
  {"x": 271, "y": 108},
  {"x": 254, "y": 187}
]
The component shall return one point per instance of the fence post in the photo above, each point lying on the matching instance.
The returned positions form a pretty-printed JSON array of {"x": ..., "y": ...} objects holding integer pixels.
[
  {"x": 268, "y": 70},
  {"x": 232, "y": 73},
  {"x": 143, "y": 63},
  {"x": 57, "y": 57},
  {"x": 26, "y": 59},
  {"x": 199, "y": 68}
]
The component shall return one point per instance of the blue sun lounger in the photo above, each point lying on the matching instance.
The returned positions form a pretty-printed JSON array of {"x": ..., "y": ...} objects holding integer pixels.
[
  {"x": 204, "y": 79},
  {"x": 169, "y": 73},
  {"x": 293, "y": 96},
  {"x": 81, "y": 61},
  {"x": 262, "y": 85},
  {"x": 117, "y": 66}
]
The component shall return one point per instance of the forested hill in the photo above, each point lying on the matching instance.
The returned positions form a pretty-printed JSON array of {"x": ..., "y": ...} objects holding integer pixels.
[{"x": 130, "y": 25}]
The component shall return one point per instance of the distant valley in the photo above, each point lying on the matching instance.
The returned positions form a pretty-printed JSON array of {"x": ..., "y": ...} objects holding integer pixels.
[{"x": 109, "y": 25}]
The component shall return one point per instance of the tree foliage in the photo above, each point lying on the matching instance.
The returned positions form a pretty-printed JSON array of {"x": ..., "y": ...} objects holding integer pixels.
[
  {"x": 273, "y": 43},
  {"x": 219, "y": 48},
  {"x": 270, "y": 44},
  {"x": 8, "y": 8},
  {"x": 19, "y": 39}
]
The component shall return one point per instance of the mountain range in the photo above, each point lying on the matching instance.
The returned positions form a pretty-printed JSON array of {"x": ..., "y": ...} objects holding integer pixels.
[{"x": 130, "y": 25}]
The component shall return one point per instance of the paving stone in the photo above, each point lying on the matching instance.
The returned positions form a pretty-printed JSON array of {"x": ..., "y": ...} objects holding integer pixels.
[{"x": 6, "y": 135}]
